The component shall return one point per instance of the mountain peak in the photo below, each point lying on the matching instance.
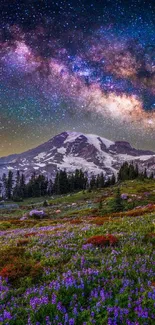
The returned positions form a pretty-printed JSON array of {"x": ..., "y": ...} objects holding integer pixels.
[{"x": 70, "y": 150}]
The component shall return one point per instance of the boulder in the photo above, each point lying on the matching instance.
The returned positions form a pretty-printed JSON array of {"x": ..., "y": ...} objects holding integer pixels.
[
  {"x": 37, "y": 214},
  {"x": 124, "y": 196},
  {"x": 57, "y": 211},
  {"x": 23, "y": 218}
]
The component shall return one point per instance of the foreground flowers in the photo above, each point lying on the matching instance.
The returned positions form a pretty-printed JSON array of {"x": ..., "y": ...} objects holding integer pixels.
[{"x": 88, "y": 276}]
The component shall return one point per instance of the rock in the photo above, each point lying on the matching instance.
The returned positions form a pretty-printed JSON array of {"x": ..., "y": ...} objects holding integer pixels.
[
  {"x": 37, "y": 214},
  {"x": 124, "y": 196},
  {"x": 23, "y": 218},
  {"x": 74, "y": 204},
  {"x": 57, "y": 211},
  {"x": 146, "y": 193},
  {"x": 150, "y": 205}
]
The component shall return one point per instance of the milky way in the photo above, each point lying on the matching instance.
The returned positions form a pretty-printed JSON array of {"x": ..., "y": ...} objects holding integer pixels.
[{"x": 86, "y": 66}]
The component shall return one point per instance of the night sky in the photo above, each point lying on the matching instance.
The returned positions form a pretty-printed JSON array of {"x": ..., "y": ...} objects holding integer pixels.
[{"x": 86, "y": 66}]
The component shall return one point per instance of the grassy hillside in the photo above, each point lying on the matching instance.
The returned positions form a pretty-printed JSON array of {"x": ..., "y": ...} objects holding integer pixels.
[{"x": 83, "y": 264}]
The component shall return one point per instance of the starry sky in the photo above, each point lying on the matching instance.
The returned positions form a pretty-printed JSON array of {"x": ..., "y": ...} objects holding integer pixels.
[{"x": 85, "y": 66}]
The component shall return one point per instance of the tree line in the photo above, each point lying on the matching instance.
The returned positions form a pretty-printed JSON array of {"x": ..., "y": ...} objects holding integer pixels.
[
  {"x": 16, "y": 188},
  {"x": 129, "y": 171}
]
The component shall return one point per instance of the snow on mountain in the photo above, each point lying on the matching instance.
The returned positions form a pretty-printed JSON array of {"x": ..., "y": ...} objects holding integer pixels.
[{"x": 71, "y": 150}]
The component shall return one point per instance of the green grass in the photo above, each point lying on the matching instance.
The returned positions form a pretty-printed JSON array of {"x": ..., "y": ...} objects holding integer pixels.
[{"x": 64, "y": 202}]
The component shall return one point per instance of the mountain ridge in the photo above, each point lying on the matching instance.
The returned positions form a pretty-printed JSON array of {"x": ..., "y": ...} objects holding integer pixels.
[{"x": 71, "y": 150}]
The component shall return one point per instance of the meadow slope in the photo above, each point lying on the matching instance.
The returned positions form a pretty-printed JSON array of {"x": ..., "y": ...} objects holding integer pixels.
[{"x": 83, "y": 264}]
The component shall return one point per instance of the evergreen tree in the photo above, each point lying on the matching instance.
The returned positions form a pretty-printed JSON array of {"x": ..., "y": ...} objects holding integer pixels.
[
  {"x": 76, "y": 180},
  {"x": 97, "y": 181},
  {"x": 100, "y": 205},
  {"x": 131, "y": 172},
  {"x": 63, "y": 182},
  {"x": 1, "y": 189},
  {"x": 123, "y": 173},
  {"x": 108, "y": 182},
  {"x": 4, "y": 185},
  {"x": 102, "y": 181},
  {"x": 145, "y": 173},
  {"x": 92, "y": 182},
  {"x": 37, "y": 186},
  {"x": 30, "y": 188},
  {"x": 16, "y": 190},
  {"x": 82, "y": 180},
  {"x": 136, "y": 171},
  {"x": 9, "y": 185},
  {"x": 151, "y": 176},
  {"x": 56, "y": 185},
  {"x": 23, "y": 186},
  {"x": 71, "y": 183},
  {"x": 113, "y": 180},
  {"x": 50, "y": 187},
  {"x": 117, "y": 202}
]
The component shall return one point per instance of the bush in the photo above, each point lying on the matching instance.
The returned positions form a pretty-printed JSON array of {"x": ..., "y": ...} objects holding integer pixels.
[
  {"x": 16, "y": 270},
  {"x": 45, "y": 204},
  {"x": 17, "y": 199},
  {"x": 36, "y": 271},
  {"x": 117, "y": 204},
  {"x": 75, "y": 221},
  {"x": 19, "y": 269},
  {"x": 30, "y": 234},
  {"x": 15, "y": 264},
  {"x": 22, "y": 242},
  {"x": 107, "y": 240},
  {"x": 5, "y": 225},
  {"x": 9, "y": 254},
  {"x": 150, "y": 237}
]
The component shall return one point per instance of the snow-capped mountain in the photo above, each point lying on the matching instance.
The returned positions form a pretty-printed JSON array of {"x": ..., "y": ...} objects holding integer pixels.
[{"x": 71, "y": 150}]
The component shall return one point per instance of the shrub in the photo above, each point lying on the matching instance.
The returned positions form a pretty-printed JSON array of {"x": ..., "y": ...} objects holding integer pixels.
[
  {"x": 99, "y": 221},
  {"x": 22, "y": 242},
  {"x": 150, "y": 237},
  {"x": 107, "y": 240},
  {"x": 36, "y": 271},
  {"x": 30, "y": 234},
  {"x": 75, "y": 222},
  {"x": 117, "y": 202},
  {"x": 16, "y": 270},
  {"x": 9, "y": 254},
  {"x": 5, "y": 225},
  {"x": 100, "y": 205},
  {"x": 45, "y": 204},
  {"x": 17, "y": 199},
  {"x": 19, "y": 269}
]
